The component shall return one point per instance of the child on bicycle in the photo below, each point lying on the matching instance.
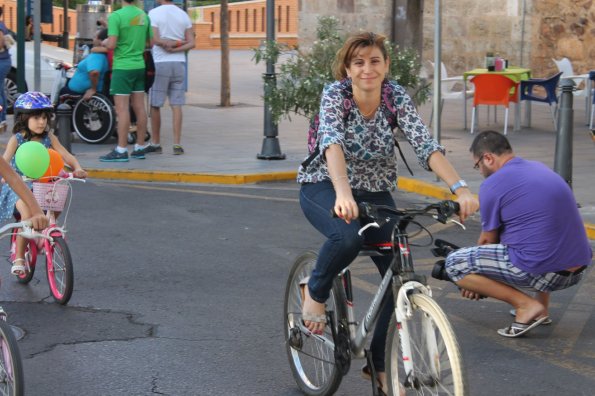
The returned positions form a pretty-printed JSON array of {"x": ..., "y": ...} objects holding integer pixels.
[
  {"x": 34, "y": 111},
  {"x": 357, "y": 162}
]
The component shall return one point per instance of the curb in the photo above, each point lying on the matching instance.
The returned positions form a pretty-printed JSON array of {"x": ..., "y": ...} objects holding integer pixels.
[{"x": 404, "y": 183}]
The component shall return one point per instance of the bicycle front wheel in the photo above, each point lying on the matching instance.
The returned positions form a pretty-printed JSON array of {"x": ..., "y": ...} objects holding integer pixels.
[
  {"x": 59, "y": 270},
  {"x": 437, "y": 366},
  {"x": 311, "y": 358},
  {"x": 11, "y": 368}
]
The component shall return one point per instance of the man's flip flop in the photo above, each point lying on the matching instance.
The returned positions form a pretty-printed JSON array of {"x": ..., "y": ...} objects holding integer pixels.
[
  {"x": 517, "y": 329},
  {"x": 546, "y": 322}
]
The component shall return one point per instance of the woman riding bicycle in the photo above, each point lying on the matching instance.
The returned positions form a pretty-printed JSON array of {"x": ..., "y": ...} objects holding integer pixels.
[{"x": 357, "y": 162}]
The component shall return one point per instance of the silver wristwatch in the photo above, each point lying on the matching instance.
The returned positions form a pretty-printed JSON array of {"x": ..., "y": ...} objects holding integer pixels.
[{"x": 457, "y": 185}]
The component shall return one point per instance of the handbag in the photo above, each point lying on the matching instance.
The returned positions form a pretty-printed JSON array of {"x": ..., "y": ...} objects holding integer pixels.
[{"x": 8, "y": 41}]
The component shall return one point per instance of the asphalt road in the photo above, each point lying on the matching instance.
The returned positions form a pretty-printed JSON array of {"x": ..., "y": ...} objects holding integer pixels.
[{"x": 179, "y": 291}]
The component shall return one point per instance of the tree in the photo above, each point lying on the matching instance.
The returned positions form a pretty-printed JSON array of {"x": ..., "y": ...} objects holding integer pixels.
[
  {"x": 301, "y": 78},
  {"x": 224, "y": 34}
]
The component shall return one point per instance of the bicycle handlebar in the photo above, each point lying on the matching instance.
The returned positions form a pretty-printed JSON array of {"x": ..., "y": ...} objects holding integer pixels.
[
  {"x": 444, "y": 210},
  {"x": 27, "y": 231}
]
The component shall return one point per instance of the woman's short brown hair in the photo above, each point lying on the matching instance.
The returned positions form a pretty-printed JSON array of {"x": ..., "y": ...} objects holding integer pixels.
[{"x": 352, "y": 44}]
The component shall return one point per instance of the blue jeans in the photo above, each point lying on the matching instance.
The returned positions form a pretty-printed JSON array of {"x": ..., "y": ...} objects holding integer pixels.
[
  {"x": 342, "y": 247},
  {"x": 4, "y": 69}
]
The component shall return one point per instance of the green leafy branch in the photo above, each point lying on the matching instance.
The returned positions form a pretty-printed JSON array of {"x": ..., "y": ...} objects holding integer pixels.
[{"x": 301, "y": 77}]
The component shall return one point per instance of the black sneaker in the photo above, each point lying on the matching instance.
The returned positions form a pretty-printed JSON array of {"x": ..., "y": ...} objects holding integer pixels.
[
  {"x": 151, "y": 149},
  {"x": 114, "y": 156},
  {"x": 178, "y": 150},
  {"x": 138, "y": 153}
]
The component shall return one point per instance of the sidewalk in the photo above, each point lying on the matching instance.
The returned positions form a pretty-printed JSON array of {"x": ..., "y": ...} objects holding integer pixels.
[{"x": 221, "y": 144}]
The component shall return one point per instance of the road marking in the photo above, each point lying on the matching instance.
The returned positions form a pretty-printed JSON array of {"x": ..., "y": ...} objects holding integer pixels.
[{"x": 203, "y": 192}]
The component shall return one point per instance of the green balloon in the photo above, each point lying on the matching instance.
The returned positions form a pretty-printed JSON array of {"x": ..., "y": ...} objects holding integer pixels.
[{"x": 32, "y": 159}]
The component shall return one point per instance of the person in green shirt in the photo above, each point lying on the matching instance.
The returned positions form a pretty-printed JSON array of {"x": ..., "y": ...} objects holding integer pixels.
[{"x": 129, "y": 33}]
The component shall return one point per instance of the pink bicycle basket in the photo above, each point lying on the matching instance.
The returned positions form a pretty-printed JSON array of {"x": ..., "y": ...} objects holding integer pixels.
[{"x": 51, "y": 196}]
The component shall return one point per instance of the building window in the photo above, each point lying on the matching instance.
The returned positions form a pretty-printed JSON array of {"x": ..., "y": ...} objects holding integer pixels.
[
  {"x": 246, "y": 20},
  {"x": 238, "y": 20},
  {"x": 287, "y": 19},
  {"x": 229, "y": 21},
  {"x": 254, "y": 20},
  {"x": 279, "y": 19},
  {"x": 262, "y": 18},
  {"x": 212, "y": 21}
]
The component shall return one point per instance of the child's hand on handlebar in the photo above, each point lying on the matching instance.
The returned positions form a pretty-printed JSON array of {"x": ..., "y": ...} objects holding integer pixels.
[
  {"x": 39, "y": 221},
  {"x": 80, "y": 173}
]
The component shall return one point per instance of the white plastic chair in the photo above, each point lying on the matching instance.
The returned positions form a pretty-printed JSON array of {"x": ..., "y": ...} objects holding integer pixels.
[
  {"x": 565, "y": 66},
  {"x": 447, "y": 85}
]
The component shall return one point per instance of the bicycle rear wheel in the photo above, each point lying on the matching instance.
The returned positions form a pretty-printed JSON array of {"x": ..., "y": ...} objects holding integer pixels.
[
  {"x": 11, "y": 368},
  {"x": 30, "y": 258},
  {"x": 59, "y": 270},
  {"x": 435, "y": 354},
  {"x": 311, "y": 359}
]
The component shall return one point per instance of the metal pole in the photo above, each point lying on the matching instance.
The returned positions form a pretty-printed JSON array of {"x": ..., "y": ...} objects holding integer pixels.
[
  {"x": 563, "y": 158},
  {"x": 437, "y": 69},
  {"x": 65, "y": 32},
  {"x": 21, "y": 46},
  {"x": 36, "y": 45},
  {"x": 270, "y": 145}
]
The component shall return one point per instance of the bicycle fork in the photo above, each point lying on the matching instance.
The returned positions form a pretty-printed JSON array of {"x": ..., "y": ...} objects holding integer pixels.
[{"x": 404, "y": 311}]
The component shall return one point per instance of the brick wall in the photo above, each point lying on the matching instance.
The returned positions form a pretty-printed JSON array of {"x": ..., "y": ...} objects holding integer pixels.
[
  {"x": 57, "y": 27},
  {"x": 247, "y": 24}
]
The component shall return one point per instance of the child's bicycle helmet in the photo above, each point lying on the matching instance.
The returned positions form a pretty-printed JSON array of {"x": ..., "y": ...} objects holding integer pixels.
[{"x": 33, "y": 102}]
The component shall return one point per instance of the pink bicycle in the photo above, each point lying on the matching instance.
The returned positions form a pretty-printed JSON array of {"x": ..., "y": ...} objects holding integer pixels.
[{"x": 51, "y": 242}]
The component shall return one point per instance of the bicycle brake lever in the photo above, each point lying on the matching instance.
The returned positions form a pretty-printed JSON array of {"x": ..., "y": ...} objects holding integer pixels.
[
  {"x": 458, "y": 223},
  {"x": 364, "y": 228}
]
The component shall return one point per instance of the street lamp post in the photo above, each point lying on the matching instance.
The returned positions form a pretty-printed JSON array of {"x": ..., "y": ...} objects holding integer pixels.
[{"x": 271, "y": 150}]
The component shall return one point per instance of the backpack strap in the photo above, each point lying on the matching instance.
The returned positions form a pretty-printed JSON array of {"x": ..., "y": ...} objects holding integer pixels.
[{"x": 390, "y": 113}]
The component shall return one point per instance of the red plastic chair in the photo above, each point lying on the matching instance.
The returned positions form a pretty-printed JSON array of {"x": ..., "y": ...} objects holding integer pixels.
[{"x": 494, "y": 90}]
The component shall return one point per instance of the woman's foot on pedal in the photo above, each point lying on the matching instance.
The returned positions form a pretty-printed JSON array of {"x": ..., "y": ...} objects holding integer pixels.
[
  {"x": 18, "y": 267},
  {"x": 313, "y": 312}
]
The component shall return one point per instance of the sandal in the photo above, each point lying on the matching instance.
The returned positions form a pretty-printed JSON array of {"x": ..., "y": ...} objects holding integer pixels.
[
  {"x": 546, "y": 322},
  {"x": 517, "y": 329},
  {"x": 18, "y": 269},
  {"x": 367, "y": 374},
  {"x": 311, "y": 317}
]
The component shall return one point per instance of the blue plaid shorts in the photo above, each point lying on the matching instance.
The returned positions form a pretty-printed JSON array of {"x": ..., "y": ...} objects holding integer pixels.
[{"x": 492, "y": 261}]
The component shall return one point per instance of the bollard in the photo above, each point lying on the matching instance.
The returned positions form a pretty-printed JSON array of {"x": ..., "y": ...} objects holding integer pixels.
[
  {"x": 563, "y": 158},
  {"x": 64, "y": 115}
]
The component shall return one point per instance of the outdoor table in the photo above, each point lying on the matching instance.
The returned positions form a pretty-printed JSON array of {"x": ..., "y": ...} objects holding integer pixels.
[{"x": 516, "y": 74}]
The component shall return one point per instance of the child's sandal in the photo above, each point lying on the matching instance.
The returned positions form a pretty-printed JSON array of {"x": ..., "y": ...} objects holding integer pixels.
[{"x": 18, "y": 269}]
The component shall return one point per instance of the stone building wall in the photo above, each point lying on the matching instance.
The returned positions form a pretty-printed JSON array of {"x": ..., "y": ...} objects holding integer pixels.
[
  {"x": 470, "y": 28},
  {"x": 354, "y": 15}
]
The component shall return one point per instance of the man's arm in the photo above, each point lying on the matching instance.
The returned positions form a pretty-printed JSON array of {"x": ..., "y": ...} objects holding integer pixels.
[
  {"x": 489, "y": 237},
  {"x": 94, "y": 78},
  {"x": 110, "y": 42}
]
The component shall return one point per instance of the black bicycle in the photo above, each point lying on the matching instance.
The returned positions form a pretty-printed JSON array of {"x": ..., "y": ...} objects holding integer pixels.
[{"x": 423, "y": 355}]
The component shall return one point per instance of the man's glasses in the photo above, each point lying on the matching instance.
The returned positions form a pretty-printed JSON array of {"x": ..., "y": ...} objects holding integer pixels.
[{"x": 476, "y": 166}]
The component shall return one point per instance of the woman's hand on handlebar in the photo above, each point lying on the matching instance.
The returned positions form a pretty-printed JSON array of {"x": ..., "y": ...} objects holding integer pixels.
[
  {"x": 346, "y": 208},
  {"x": 467, "y": 202}
]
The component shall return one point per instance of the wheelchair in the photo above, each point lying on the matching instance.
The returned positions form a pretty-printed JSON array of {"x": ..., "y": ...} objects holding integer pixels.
[{"x": 93, "y": 120}]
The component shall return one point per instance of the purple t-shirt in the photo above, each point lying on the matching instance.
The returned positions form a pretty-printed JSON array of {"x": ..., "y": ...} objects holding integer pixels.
[{"x": 536, "y": 213}]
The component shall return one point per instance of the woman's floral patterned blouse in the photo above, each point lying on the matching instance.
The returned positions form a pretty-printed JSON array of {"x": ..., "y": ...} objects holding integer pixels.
[{"x": 368, "y": 145}]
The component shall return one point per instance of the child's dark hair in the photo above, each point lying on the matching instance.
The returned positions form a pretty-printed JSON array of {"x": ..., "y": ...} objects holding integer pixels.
[{"x": 21, "y": 123}]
